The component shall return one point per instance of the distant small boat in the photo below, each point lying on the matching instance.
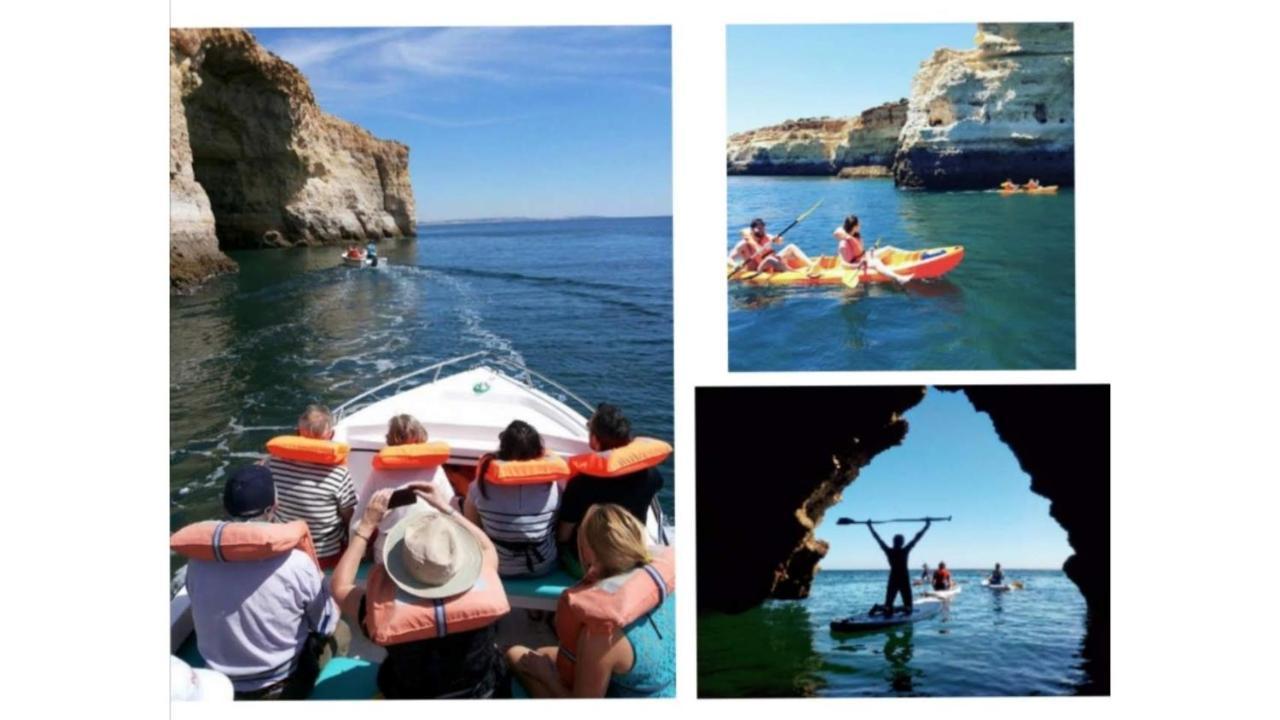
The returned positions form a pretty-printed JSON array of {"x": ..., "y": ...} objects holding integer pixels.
[
  {"x": 1042, "y": 190},
  {"x": 363, "y": 260}
]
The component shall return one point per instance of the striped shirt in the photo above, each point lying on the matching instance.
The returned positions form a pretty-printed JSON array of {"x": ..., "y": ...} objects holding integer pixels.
[
  {"x": 314, "y": 493},
  {"x": 520, "y": 520}
]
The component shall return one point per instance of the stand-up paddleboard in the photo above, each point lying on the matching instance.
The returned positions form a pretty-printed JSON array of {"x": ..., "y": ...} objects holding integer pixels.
[
  {"x": 863, "y": 622},
  {"x": 943, "y": 594},
  {"x": 1002, "y": 587}
]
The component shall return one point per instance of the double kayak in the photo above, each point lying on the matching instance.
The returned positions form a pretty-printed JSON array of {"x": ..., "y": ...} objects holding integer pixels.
[
  {"x": 919, "y": 264},
  {"x": 866, "y": 622},
  {"x": 943, "y": 594},
  {"x": 1044, "y": 190}
]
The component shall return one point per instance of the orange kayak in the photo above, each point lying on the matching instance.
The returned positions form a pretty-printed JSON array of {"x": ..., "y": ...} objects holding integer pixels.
[{"x": 920, "y": 264}]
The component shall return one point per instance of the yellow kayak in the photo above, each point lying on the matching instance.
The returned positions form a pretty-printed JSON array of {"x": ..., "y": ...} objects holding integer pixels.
[
  {"x": 919, "y": 264},
  {"x": 1044, "y": 190}
]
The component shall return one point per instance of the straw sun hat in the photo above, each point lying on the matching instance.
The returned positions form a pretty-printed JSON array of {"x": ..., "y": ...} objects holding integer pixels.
[{"x": 430, "y": 555}]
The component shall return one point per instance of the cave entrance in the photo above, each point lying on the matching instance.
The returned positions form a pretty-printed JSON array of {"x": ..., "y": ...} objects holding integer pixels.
[
  {"x": 951, "y": 462},
  {"x": 240, "y": 126}
]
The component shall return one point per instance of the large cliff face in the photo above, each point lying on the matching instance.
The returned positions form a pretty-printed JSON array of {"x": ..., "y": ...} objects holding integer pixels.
[
  {"x": 819, "y": 146},
  {"x": 256, "y": 163},
  {"x": 1004, "y": 110},
  {"x": 759, "y": 507}
]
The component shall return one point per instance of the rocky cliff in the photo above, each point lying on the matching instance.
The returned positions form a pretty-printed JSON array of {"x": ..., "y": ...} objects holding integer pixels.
[
  {"x": 254, "y": 162},
  {"x": 759, "y": 508},
  {"x": 819, "y": 146},
  {"x": 1005, "y": 109}
]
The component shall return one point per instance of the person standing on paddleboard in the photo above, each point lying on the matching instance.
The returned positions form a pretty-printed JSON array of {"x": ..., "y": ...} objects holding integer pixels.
[
  {"x": 899, "y": 576},
  {"x": 756, "y": 252}
]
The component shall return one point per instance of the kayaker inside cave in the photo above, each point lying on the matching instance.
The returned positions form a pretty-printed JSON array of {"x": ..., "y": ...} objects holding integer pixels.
[
  {"x": 899, "y": 576},
  {"x": 997, "y": 576},
  {"x": 942, "y": 578},
  {"x": 853, "y": 253},
  {"x": 755, "y": 251}
]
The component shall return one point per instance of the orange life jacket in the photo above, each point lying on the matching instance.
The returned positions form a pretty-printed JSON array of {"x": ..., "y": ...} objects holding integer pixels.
[
  {"x": 308, "y": 450},
  {"x": 412, "y": 456},
  {"x": 392, "y": 617},
  {"x": 241, "y": 541},
  {"x": 641, "y": 453},
  {"x": 607, "y": 606},
  {"x": 546, "y": 469}
]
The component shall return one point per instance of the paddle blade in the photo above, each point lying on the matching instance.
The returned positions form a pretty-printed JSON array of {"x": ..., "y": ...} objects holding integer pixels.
[
  {"x": 846, "y": 521},
  {"x": 851, "y": 278},
  {"x": 809, "y": 212}
]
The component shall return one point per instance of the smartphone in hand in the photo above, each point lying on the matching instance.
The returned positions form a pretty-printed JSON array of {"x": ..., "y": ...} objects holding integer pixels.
[{"x": 402, "y": 497}]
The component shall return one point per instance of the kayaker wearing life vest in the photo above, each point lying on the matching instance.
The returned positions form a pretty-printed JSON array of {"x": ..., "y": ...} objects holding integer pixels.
[
  {"x": 755, "y": 251},
  {"x": 262, "y": 612},
  {"x": 519, "y": 515},
  {"x": 942, "y": 577},
  {"x": 408, "y": 459},
  {"x": 853, "y": 254},
  {"x": 433, "y": 602},
  {"x": 899, "y": 577},
  {"x": 997, "y": 576},
  {"x": 621, "y": 469},
  {"x": 1008, "y": 184},
  {"x": 616, "y": 628}
]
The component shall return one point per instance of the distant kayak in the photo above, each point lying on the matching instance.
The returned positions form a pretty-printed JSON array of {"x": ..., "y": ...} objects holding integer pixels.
[
  {"x": 1002, "y": 587},
  {"x": 920, "y": 264},
  {"x": 864, "y": 622},
  {"x": 943, "y": 594},
  {"x": 363, "y": 261},
  {"x": 1045, "y": 190}
]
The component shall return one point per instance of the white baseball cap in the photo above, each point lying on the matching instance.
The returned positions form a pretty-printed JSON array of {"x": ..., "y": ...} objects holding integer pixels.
[{"x": 188, "y": 683}]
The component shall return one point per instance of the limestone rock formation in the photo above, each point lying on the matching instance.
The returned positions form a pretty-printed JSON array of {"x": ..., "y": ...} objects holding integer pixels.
[
  {"x": 1005, "y": 109},
  {"x": 819, "y": 146},
  {"x": 759, "y": 508},
  {"x": 254, "y": 162}
]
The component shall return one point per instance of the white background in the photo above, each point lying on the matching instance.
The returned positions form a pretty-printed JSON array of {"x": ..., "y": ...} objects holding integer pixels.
[{"x": 1176, "y": 254}]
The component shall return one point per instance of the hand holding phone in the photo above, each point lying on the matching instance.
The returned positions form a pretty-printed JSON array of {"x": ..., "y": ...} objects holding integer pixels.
[{"x": 402, "y": 497}]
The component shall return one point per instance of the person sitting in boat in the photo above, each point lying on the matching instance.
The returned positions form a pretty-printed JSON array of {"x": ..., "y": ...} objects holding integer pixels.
[
  {"x": 518, "y": 518},
  {"x": 433, "y": 602},
  {"x": 608, "y": 429},
  {"x": 313, "y": 484},
  {"x": 853, "y": 254},
  {"x": 371, "y": 252},
  {"x": 406, "y": 432},
  {"x": 267, "y": 620},
  {"x": 942, "y": 578},
  {"x": 616, "y": 628},
  {"x": 1008, "y": 184},
  {"x": 755, "y": 251},
  {"x": 899, "y": 578},
  {"x": 1033, "y": 184},
  {"x": 353, "y": 251},
  {"x": 997, "y": 576}
]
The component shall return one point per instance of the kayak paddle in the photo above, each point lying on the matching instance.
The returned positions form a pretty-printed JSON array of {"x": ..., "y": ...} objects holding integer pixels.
[
  {"x": 851, "y": 521},
  {"x": 800, "y": 217}
]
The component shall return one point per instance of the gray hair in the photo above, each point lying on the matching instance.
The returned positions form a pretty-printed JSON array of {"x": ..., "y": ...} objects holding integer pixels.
[{"x": 315, "y": 422}]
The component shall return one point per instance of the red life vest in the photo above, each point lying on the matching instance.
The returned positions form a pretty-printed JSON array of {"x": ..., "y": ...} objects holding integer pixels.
[
  {"x": 392, "y": 617},
  {"x": 308, "y": 450},
  {"x": 241, "y": 541},
  {"x": 607, "y": 606},
  {"x": 641, "y": 453}
]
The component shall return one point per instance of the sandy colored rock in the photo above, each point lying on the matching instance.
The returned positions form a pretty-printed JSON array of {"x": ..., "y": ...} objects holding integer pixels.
[
  {"x": 256, "y": 163},
  {"x": 818, "y": 146},
  {"x": 1003, "y": 110}
]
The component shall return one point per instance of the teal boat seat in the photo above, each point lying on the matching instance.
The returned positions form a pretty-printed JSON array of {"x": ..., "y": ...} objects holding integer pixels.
[
  {"x": 344, "y": 678},
  {"x": 537, "y": 593}
]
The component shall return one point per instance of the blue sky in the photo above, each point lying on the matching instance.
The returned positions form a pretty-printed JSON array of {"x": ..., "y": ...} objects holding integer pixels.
[
  {"x": 779, "y": 72},
  {"x": 505, "y": 122},
  {"x": 951, "y": 463}
]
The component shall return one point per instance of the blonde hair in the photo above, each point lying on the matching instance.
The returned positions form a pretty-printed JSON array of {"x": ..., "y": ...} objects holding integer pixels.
[
  {"x": 616, "y": 538},
  {"x": 315, "y": 422},
  {"x": 405, "y": 430}
]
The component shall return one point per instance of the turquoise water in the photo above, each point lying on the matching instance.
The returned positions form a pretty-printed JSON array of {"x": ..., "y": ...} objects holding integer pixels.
[
  {"x": 1025, "y": 642},
  {"x": 1009, "y": 305},
  {"x": 585, "y": 302}
]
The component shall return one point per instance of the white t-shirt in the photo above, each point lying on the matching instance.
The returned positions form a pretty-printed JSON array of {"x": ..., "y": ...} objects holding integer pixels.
[{"x": 394, "y": 480}]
